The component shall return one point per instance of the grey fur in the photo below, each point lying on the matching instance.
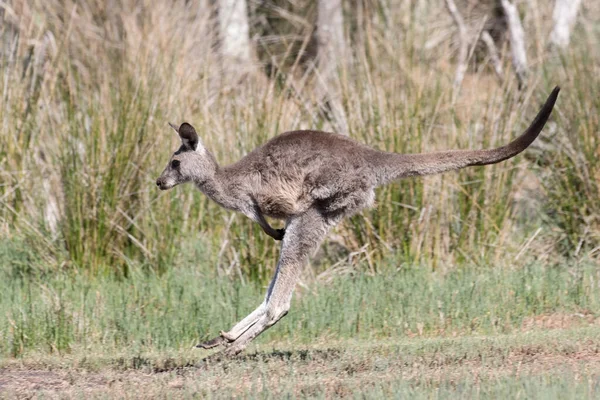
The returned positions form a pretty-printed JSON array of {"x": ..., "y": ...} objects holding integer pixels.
[{"x": 311, "y": 180}]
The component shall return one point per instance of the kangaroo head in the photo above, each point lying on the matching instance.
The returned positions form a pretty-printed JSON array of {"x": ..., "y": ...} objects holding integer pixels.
[{"x": 191, "y": 163}]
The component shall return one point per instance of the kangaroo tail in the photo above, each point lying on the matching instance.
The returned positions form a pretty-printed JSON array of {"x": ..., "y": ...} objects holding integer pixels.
[{"x": 392, "y": 166}]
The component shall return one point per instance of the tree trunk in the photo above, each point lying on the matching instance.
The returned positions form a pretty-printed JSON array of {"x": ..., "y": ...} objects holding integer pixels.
[
  {"x": 330, "y": 31},
  {"x": 332, "y": 52},
  {"x": 564, "y": 17},
  {"x": 234, "y": 35}
]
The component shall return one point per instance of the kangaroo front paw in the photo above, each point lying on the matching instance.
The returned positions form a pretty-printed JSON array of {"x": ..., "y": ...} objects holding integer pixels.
[{"x": 280, "y": 234}]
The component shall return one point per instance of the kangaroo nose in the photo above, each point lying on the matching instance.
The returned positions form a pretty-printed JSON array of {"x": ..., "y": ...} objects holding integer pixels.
[{"x": 158, "y": 182}]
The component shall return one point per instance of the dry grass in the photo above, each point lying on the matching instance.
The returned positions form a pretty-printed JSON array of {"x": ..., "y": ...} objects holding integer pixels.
[
  {"x": 567, "y": 361},
  {"x": 88, "y": 89}
]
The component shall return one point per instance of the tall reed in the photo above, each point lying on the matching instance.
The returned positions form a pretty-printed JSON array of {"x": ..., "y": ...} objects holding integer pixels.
[{"x": 87, "y": 90}]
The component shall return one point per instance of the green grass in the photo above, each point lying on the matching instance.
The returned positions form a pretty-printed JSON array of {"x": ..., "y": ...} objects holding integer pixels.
[
  {"x": 418, "y": 332},
  {"x": 59, "y": 312},
  {"x": 475, "y": 331}
]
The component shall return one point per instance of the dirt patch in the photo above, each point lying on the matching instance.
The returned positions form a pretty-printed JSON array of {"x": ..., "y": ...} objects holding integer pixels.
[
  {"x": 369, "y": 368},
  {"x": 25, "y": 383},
  {"x": 559, "y": 321},
  {"x": 33, "y": 380},
  {"x": 333, "y": 373}
]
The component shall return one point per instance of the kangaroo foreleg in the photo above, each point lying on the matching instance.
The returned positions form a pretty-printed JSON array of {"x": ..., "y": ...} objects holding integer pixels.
[{"x": 258, "y": 216}]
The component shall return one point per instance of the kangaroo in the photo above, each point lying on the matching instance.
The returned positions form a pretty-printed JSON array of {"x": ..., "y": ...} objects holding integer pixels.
[{"x": 311, "y": 180}]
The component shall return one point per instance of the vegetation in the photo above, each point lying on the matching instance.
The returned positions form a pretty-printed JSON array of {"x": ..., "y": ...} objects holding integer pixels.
[
  {"x": 477, "y": 332},
  {"x": 554, "y": 364},
  {"x": 85, "y": 136},
  {"x": 64, "y": 313},
  {"x": 448, "y": 279}
]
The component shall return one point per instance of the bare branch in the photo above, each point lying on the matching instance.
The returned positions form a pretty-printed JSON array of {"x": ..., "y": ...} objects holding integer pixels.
[
  {"x": 493, "y": 52},
  {"x": 463, "y": 50},
  {"x": 517, "y": 41}
]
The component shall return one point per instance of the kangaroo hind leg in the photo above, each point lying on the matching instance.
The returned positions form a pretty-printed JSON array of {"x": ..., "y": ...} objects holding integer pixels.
[{"x": 303, "y": 236}]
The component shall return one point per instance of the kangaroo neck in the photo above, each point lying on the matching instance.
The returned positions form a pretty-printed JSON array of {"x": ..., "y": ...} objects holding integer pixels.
[{"x": 217, "y": 190}]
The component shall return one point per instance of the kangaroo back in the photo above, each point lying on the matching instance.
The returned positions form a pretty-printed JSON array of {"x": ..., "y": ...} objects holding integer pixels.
[{"x": 392, "y": 166}]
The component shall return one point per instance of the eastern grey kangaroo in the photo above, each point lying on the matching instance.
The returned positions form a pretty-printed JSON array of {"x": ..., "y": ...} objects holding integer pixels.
[{"x": 311, "y": 180}]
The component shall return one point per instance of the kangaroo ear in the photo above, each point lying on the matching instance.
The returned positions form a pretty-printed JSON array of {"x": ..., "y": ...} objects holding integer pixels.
[
  {"x": 175, "y": 128},
  {"x": 188, "y": 135}
]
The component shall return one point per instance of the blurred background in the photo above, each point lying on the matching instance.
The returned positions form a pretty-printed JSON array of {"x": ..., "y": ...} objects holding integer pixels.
[{"x": 87, "y": 88}]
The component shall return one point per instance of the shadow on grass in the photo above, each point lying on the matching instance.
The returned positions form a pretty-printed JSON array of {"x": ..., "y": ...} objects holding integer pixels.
[
  {"x": 218, "y": 359},
  {"x": 275, "y": 355}
]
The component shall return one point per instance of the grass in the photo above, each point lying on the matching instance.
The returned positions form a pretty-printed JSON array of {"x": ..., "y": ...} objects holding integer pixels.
[
  {"x": 87, "y": 93},
  {"x": 534, "y": 364},
  {"x": 416, "y": 332},
  {"x": 60, "y": 313},
  {"x": 451, "y": 287}
]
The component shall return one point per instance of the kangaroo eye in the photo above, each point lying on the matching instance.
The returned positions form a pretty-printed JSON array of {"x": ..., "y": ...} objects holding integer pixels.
[{"x": 175, "y": 164}]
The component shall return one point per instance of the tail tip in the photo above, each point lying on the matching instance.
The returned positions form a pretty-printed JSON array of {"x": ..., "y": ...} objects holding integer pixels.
[{"x": 551, "y": 99}]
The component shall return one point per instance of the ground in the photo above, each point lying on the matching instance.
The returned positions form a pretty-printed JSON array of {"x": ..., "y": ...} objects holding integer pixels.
[{"x": 540, "y": 361}]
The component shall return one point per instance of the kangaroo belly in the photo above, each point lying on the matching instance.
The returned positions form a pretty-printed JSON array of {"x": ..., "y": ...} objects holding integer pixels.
[{"x": 282, "y": 201}]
